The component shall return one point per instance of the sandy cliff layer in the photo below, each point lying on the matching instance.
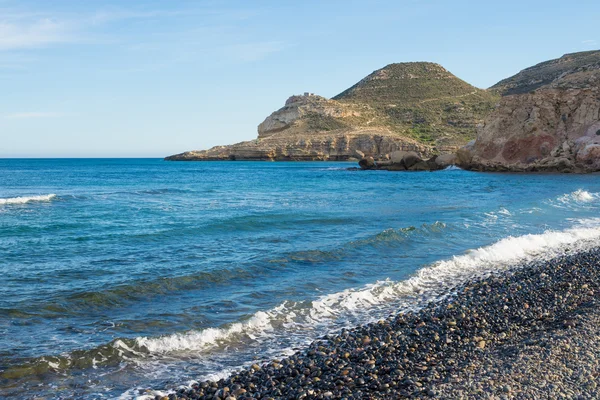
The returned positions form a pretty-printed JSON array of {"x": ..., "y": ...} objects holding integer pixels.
[{"x": 340, "y": 146}]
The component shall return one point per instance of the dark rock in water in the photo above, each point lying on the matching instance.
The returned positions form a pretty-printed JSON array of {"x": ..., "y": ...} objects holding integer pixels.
[
  {"x": 395, "y": 167},
  {"x": 410, "y": 158},
  {"x": 421, "y": 166},
  {"x": 367, "y": 163},
  {"x": 445, "y": 160},
  {"x": 402, "y": 161}
]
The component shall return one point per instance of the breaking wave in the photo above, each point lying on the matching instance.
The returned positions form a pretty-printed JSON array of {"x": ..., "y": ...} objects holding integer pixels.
[
  {"x": 578, "y": 197},
  {"x": 23, "y": 200},
  {"x": 376, "y": 300}
]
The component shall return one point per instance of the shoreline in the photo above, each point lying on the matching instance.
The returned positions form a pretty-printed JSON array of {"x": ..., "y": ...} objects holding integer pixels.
[{"x": 530, "y": 332}]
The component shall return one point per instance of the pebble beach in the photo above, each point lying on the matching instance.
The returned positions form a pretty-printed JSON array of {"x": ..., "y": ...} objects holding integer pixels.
[{"x": 530, "y": 333}]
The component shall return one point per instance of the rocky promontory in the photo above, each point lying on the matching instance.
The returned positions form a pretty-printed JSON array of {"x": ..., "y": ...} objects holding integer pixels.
[
  {"x": 548, "y": 119},
  {"x": 312, "y": 128},
  {"x": 419, "y": 107}
]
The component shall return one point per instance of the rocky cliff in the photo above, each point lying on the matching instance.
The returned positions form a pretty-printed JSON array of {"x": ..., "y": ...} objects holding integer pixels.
[
  {"x": 417, "y": 107},
  {"x": 547, "y": 120},
  {"x": 311, "y": 127}
]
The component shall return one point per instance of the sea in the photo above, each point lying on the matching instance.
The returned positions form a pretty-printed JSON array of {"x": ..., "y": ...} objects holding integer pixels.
[{"x": 130, "y": 278}]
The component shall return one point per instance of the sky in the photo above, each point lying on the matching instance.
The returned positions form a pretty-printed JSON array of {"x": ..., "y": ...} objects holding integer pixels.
[{"x": 101, "y": 78}]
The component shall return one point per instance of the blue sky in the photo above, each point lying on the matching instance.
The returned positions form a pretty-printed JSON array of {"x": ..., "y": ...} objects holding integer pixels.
[{"x": 152, "y": 78}]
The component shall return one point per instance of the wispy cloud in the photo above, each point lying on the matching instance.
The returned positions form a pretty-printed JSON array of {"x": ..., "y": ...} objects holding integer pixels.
[
  {"x": 175, "y": 35},
  {"x": 590, "y": 42},
  {"x": 22, "y": 35},
  {"x": 247, "y": 52},
  {"x": 33, "y": 115},
  {"x": 20, "y": 30}
]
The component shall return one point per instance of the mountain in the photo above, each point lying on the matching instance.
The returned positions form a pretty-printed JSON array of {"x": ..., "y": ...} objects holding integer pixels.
[
  {"x": 416, "y": 106},
  {"x": 548, "y": 119}
]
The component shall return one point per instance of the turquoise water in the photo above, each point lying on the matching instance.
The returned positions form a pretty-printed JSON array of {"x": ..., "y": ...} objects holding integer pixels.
[{"x": 120, "y": 275}]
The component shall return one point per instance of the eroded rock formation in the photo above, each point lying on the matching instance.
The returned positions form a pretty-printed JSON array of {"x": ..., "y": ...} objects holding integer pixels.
[{"x": 555, "y": 127}]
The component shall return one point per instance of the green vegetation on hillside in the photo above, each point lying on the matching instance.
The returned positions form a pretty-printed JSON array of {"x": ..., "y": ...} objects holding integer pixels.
[
  {"x": 323, "y": 123},
  {"x": 424, "y": 101}
]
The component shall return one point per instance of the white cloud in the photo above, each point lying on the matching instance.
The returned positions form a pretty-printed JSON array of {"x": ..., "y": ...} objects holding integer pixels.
[
  {"x": 33, "y": 114},
  {"x": 589, "y": 42}
]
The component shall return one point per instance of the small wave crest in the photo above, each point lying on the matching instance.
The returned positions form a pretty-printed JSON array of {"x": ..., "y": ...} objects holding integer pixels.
[
  {"x": 28, "y": 199},
  {"x": 387, "y": 238},
  {"x": 579, "y": 196}
]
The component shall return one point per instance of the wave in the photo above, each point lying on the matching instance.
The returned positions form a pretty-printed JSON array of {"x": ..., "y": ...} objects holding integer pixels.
[
  {"x": 282, "y": 329},
  {"x": 576, "y": 198},
  {"x": 494, "y": 215},
  {"x": 23, "y": 200},
  {"x": 387, "y": 238},
  {"x": 374, "y": 301},
  {"x": 120, "y": 295}
]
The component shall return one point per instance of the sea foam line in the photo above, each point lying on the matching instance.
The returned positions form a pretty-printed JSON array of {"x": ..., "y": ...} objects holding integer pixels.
[
  {"x": 23, "y": 200},
  {"x": 298, "y": 320}
]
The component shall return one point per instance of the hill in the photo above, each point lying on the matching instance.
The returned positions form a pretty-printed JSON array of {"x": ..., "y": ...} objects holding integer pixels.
[
  {"x": 415, "y": 106},
  {"x": 424, "y": 101}
]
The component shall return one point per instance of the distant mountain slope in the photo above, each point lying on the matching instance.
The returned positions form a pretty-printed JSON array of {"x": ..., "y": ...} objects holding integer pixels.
[{"x": 545, "y": 73}]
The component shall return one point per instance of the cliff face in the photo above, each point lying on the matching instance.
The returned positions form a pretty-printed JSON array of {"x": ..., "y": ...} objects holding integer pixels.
[
  {"x": 311, "y": 128},
  {"x": 311, "y": 113},
  {"x": 555, "y": 127},
  {"x": 417, "y": 107},
  {"x": 344, "y": 146}
]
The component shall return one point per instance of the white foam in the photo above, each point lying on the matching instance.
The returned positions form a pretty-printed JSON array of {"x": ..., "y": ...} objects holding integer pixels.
[
  {"x": 452, "y": 168},
  {"x": 200, "y": 340},
  {"x": 579, "y": 196},
  {"x": 299, "y": 321},
  {"x": 23, "y": 200}
]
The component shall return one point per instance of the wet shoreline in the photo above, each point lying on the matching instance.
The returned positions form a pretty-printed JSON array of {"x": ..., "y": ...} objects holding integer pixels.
[{"x": 530, "y": 332}]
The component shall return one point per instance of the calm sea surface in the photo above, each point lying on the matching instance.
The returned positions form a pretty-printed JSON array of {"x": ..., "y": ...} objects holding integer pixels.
[{"x": 127, "y": 274}]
